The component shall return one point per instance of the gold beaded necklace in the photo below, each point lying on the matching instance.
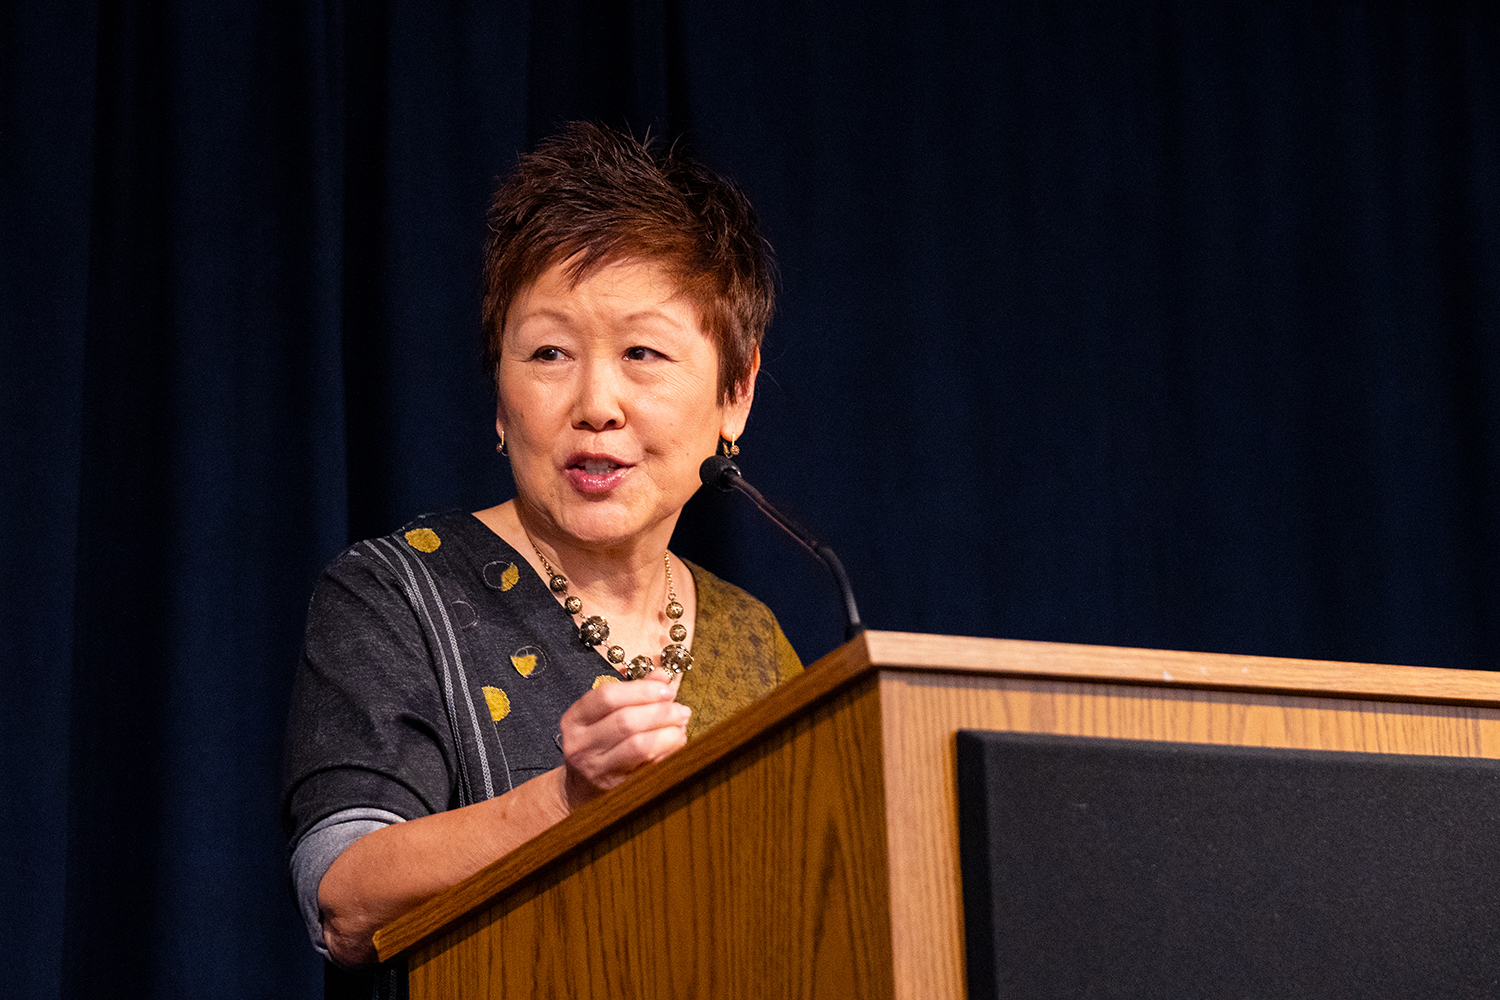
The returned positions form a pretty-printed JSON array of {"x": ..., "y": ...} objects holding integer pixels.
[{"x": 594, "y": 630}]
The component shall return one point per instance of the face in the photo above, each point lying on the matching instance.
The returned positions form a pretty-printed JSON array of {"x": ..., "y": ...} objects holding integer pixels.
[{"x": 608, "y": 402}]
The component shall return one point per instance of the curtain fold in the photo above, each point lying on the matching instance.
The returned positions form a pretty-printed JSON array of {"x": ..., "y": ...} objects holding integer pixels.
[{"x": 46, "y": 156}]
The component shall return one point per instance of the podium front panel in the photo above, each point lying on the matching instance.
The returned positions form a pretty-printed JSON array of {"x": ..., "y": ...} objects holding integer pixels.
[
  {"x": 1096, "y": 867},
  {"x": 922, "y": 711}
]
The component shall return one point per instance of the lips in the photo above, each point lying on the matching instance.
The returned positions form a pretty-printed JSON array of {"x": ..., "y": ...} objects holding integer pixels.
[{"x": 595, "y": 473}]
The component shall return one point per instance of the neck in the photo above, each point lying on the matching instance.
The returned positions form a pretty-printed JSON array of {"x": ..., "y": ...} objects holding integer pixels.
[
  {"x": 625, "y": 584},
  {"x": 626, "y": 577}
]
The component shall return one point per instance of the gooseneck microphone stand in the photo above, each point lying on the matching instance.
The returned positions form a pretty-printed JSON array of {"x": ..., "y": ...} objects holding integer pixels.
[{"x": 721, "y": 473}]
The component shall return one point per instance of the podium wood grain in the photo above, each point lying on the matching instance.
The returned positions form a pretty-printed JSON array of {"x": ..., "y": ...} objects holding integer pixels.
[
  {"x": 676, "y": 903},
  {"x": 809, "y": 847}
]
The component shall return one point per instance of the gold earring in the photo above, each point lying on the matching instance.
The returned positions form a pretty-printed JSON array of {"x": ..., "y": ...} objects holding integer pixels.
[
  {"x": 727, "y": 447},
  {"x": 501, "y": 446}
]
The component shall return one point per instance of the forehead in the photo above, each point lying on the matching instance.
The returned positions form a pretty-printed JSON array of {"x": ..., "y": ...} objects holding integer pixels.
[{"x": 622, "y": 290}]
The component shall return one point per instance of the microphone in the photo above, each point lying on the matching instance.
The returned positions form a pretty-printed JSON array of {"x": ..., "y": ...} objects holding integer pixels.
[{"x": 721, "y": 473}]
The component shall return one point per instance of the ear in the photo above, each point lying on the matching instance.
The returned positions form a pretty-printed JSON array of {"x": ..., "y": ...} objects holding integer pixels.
[{"x": 737, "y": 411}]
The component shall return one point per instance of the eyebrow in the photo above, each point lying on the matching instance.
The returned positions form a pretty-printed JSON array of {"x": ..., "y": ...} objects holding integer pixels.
[
  {"x": 549, "y": 314},
  {"x": 648, "y": 314}
]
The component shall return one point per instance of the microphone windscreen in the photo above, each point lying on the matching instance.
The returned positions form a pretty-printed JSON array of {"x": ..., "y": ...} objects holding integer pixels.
[{"x": 716, "y": 470}]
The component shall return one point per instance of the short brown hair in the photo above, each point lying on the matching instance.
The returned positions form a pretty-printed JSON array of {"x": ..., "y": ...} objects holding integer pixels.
[{"x": 597, "y": 196}]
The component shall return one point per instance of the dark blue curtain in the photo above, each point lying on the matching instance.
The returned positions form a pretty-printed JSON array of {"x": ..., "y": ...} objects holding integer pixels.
[{"x": 1166, "y": 324}]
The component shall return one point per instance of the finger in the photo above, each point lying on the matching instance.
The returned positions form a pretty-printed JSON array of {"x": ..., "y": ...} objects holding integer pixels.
[
  {"x": 612, "y": 765},
  {"x": 625, "y": 740},
  {"x": 620, "y": 725},
  {"x": 626, "y": 722},
  {"x": 619, "y": 763},
  {"x": 606, "y": 698},
  {"x": 666, "y": 747}
]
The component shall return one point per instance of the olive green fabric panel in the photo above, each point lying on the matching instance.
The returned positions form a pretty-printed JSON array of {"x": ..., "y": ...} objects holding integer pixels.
[{"x": 739, "y": 653}]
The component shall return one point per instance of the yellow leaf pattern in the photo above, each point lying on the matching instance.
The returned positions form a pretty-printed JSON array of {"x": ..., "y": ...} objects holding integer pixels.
[
  {"x": 524, "y": 664},
  {"x": 605, "y": 679},
  {"x": 510, "y": 577},
  {"x": 498, "y": 701},
  {"x": 423, "y": 539}
]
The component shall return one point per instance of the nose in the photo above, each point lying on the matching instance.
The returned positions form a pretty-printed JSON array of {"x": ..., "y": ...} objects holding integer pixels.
[{"x": 598, "y": 403}]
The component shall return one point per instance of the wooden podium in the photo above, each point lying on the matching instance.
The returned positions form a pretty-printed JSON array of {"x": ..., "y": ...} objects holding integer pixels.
[{"x": 808, "y": 847}]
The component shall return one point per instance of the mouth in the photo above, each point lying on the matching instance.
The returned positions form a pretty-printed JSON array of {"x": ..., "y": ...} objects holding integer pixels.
[{"x": 595, "y": 473}]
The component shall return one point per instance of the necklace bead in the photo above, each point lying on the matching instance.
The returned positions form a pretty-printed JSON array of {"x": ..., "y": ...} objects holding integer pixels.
[
  {"x": 675, "y": 659},
  {"x": 593, "y": 630}
]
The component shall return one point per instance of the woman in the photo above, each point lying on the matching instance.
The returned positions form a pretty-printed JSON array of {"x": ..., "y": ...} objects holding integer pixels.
[{"x": 453, "y": 699}]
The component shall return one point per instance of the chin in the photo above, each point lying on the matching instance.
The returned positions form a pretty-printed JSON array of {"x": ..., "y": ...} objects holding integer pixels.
[{"x": 604, "y": 523}]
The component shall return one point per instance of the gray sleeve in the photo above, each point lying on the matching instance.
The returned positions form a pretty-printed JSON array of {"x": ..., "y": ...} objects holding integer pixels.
[{"x": 324, "y": 841}]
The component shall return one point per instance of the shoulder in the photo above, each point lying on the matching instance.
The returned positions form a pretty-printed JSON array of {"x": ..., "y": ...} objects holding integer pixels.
[
  {"x": 370, "y": 612},
  {"x": 422, "y": 536},
  {"x": 398, "y": 596},
  {"x": 731, "y": 620},
  {"x": 720, "y": 597},
  {"x": 739, "y": 650},
  {"x": 437, "y": 542}
]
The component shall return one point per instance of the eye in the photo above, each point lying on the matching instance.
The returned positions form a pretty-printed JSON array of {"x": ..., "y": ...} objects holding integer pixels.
[
  {"x": 547, "y": 354},
  {"x": 642, "y": 354}
]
